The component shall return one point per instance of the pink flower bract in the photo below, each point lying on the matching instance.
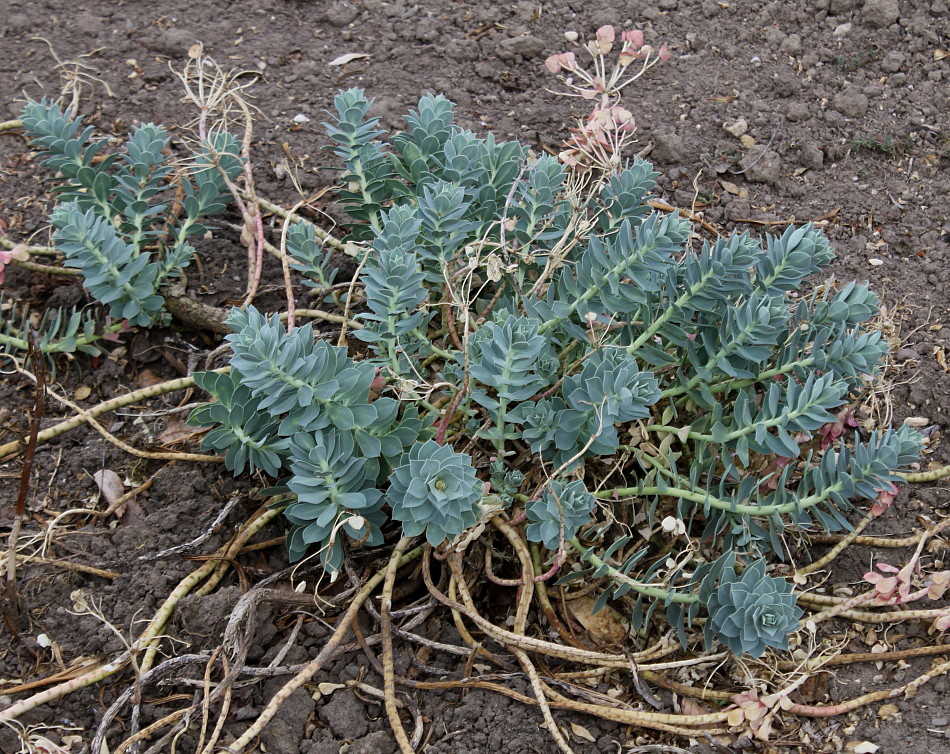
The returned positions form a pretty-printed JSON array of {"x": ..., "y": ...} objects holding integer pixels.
[
  {"x": 632, "y": 38},
  {"x": 606, "y": 33},
  {"x": 884, "y": 500},
  {"x": 566, "y": 61}
]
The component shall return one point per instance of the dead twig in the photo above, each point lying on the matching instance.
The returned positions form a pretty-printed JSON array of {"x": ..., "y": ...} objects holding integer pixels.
[{"x": 11, "y": 599}]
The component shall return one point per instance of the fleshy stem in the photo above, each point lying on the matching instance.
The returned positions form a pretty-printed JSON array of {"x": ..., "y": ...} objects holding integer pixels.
[
  {"x": 51, "y": 251},
  {"x": 595, "y": 288},
  {"x": 926, "y": 476},
  {"x": 703, "y": 498},
  {"x": 670, "y": 595},
  {"x": 768, "y": 374},
  {"x": 83, "y": 340},
  {"x": 782, "y": 418}
]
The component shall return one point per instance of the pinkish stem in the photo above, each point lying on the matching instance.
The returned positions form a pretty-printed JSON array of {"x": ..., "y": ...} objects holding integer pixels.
[{"x": 449, "y": 413}]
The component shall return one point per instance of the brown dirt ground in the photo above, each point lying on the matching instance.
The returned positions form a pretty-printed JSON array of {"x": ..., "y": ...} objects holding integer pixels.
[{"x": 849, "y": 97}]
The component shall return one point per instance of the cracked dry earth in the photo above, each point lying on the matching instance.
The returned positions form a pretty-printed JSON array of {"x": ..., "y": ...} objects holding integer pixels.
[{"x": 827, "y": 110}]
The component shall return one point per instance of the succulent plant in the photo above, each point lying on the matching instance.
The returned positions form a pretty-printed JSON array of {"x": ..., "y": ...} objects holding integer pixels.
[
  {"x": 559, "y": 513},
  {"x": 335, "y": 488},
  {"x": 505, "y": 357},
  {"x": 752, "y": 612},
  {"x": 562, "y": 321},
  {"x": 114, "y": 223},
  {"x": 248, "y": 434},
  {"x": 435, "y": 491}
]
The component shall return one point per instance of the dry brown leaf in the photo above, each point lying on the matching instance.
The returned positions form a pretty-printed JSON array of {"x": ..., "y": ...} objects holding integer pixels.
[
  {"x": 692, "y": 707},
  {"x": 941, "y": 357},
  {"x": 177, "y": 431},
  {"x": 110, "y": 484},
  {"x": 348, "y": 58},
  {"x": 730, "y": 187},
  {"x": 941, "y": 54},
  {"x": 82, "y": 392},
  {"x": 887, "y": 710},
  {"x": 581, "y": 732},
  {"x": 147, "y": 378},
  {"x": 815, "y": 688},
  {"x": 605, "y": 626}
]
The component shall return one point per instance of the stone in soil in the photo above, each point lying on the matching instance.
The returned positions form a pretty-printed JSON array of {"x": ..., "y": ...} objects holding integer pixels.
[
  {"x": 345, "y": 715},
  {"x": 762, "y": 168},
  {"x": 851, "y": 102},
  {"x": 341, "y": 14},
  {"x": 879, "y": 14}
]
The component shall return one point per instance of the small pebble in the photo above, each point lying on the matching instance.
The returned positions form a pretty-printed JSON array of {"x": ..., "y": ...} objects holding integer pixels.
[{"x": 738, "y": 128}]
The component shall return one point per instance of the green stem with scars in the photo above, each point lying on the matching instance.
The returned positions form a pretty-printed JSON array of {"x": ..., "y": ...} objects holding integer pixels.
[
  {"x": 703, "y": 498},
  {"x": 727, "y": 350},
  {"x": 356, "y": 165},
  {"x": 448, "y": 356},
  {"x": 499, "y": 440},
  {"x": 84, "y": 340},
  {"x": 46, "y": 269},
  {"x": 593, "y": 291},
  {"x": 6, "y": 243},
  {"x": 391, "y": 345},
  {"x": 648, "y": 591},
  {"x": 670, "y": 312},
  {"x": 781, "y": 419},
  {"x": 654, "y": 462},
  {"x": 721, "y": 387}
]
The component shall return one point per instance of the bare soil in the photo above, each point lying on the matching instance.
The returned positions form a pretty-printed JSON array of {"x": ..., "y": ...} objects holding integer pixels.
[{"x": 847, "y": 102}]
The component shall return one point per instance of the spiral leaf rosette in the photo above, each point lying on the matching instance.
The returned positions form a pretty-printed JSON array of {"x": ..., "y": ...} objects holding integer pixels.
[
  {"x": 561, "y": 511},
  {"x": 435, "y": 491},
  {"x": 752, "y": 612}
]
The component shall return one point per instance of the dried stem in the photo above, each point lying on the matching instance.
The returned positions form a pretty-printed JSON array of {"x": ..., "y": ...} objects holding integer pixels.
[
  {"x": 329, "y": 651},
  {"x": 147, "y": 641},
  {"x": 385, "y": 628},
  {"x": 10, "y": 449}
]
